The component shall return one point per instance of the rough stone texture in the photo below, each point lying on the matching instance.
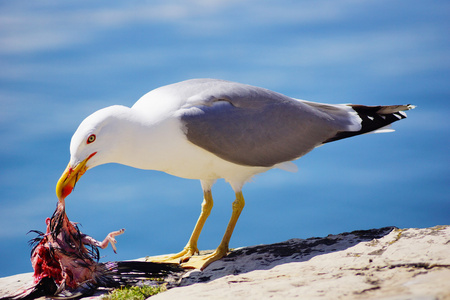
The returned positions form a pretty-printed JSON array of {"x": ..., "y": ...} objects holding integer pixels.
[
  {"x": 11, "y": 284},
  {"x": 386, "y": 263}
]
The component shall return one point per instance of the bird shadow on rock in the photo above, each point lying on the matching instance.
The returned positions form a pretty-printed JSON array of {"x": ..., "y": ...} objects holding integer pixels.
[{"x": 265, "y": 257}]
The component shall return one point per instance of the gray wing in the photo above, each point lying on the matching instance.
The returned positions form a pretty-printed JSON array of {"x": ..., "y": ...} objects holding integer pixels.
[{"x": 252, "y": 126}]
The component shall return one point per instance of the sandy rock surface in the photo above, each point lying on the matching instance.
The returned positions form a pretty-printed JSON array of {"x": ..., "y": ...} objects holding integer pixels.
[
  {"x": 12, "y": 284},
  {"x": 386, "y": 263}
]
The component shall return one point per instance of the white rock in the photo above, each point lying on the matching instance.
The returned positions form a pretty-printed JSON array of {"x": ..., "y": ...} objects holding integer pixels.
[
  {"x": 387, "y": 264},
  {"x": 404, "y": 264}
]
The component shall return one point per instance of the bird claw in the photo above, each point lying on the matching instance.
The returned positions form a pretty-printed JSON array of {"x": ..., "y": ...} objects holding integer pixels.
[
  {"x": 110, "y": 238},
  {"x": 179, "y": 258},
  {"x": 188, "y": 260},
  {"x": 202, "y": 261}
]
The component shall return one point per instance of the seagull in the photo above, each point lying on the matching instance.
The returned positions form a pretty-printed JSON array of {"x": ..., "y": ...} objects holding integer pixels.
[{"x": 208, "y": 129}]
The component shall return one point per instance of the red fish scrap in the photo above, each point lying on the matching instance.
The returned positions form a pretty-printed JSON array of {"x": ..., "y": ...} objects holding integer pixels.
[
  {"x": 65, "y": 263},
  {"x": 65, "y": 254}
]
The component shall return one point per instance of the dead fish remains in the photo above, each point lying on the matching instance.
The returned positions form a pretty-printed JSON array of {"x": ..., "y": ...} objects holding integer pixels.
[{"x": 66, "y": 262}]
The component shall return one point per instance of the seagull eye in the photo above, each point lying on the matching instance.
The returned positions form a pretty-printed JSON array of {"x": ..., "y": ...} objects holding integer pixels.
[{"x": 90, "y": 139}]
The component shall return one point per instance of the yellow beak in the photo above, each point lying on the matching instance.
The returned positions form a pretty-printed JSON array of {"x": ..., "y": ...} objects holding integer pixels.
[{"x": 70, "y": 177}]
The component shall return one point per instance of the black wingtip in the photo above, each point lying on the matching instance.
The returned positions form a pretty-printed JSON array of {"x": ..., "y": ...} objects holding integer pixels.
[
  {"x": 374, "y": 118},
  {"x": 130, "y": 272}
]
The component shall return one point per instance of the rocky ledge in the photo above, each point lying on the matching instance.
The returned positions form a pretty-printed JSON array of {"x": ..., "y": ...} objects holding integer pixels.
[{"x": 387, "y": 263}]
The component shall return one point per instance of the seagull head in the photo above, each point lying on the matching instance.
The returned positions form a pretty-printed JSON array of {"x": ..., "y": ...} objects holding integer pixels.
[{"x": 95, "y": 142}]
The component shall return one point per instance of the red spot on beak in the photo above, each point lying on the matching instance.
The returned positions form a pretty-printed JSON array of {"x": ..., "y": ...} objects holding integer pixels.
[{"x": 70, "y": 177}]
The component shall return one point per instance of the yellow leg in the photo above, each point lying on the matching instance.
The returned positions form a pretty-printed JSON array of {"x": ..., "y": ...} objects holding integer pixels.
[
  {"x": 191, "y": 247},
  {"x": 221, "y": 251}
]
